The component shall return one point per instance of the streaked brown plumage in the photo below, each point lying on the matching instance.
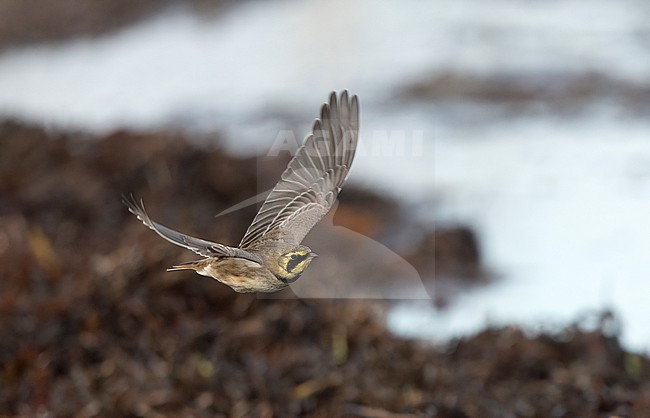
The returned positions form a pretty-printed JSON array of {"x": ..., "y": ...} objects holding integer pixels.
[{"x": 270, "y": 255}]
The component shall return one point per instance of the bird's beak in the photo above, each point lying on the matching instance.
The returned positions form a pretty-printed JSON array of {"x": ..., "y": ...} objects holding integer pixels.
[{"x": 312, "y": 255}]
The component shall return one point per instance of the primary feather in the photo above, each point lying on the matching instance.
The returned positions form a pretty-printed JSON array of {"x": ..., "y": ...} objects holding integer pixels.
[
  {"x": 198, "y": 245},
  {"x": 313, "y": 179}
]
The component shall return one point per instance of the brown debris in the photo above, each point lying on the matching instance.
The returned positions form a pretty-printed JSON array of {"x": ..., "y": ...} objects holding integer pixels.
[
  {"x": 551, "y": 91},
  {"x": 31, "y": 21},
  {"x": 451, "y": 251}
]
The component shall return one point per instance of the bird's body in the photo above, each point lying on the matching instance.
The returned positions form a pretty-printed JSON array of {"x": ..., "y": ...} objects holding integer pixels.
[
  {"x": 270, "y": 255},
  {"x": 238, "y": 273}
]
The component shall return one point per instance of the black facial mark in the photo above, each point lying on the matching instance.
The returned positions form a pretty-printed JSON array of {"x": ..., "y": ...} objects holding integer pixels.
[{"x": 295, "y": 260}]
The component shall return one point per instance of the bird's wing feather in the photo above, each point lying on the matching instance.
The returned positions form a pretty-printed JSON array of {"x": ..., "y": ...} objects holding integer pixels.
[
  {"x": 198, "y": 245},
  {"x": 312, "y": 181}
]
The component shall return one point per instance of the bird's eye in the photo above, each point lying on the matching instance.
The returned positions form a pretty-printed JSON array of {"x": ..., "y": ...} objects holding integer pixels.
[{"x": 294, "y": 256}]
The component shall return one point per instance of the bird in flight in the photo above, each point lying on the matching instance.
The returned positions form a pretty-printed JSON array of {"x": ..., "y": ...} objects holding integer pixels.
[{"x": 270, "y": 255}]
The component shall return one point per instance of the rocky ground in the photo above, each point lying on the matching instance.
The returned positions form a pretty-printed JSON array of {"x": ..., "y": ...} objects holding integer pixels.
[{"x": 92, "y": 325}]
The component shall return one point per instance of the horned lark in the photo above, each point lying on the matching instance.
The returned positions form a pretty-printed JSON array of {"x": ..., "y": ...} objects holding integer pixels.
[{"x": 270, "y": 256}]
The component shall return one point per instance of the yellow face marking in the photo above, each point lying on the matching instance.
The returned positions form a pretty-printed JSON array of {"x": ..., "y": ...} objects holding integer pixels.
[{"x": 294, "y": 262}]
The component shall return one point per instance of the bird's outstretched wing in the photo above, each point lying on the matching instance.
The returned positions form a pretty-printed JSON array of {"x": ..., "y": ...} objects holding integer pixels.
[
  {"x": 312, "y": 181},
  {"x": 198, "y": 245}
]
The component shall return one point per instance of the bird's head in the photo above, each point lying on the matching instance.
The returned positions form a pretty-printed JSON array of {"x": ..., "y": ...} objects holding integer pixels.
[{"x": 294, "y": 262}]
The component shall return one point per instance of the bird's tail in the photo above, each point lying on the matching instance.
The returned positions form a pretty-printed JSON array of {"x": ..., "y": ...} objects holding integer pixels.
[{"x": 188, "y": 265}]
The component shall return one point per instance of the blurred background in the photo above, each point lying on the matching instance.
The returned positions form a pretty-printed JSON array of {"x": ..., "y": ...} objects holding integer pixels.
[{"x": 504, "y": 155}]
